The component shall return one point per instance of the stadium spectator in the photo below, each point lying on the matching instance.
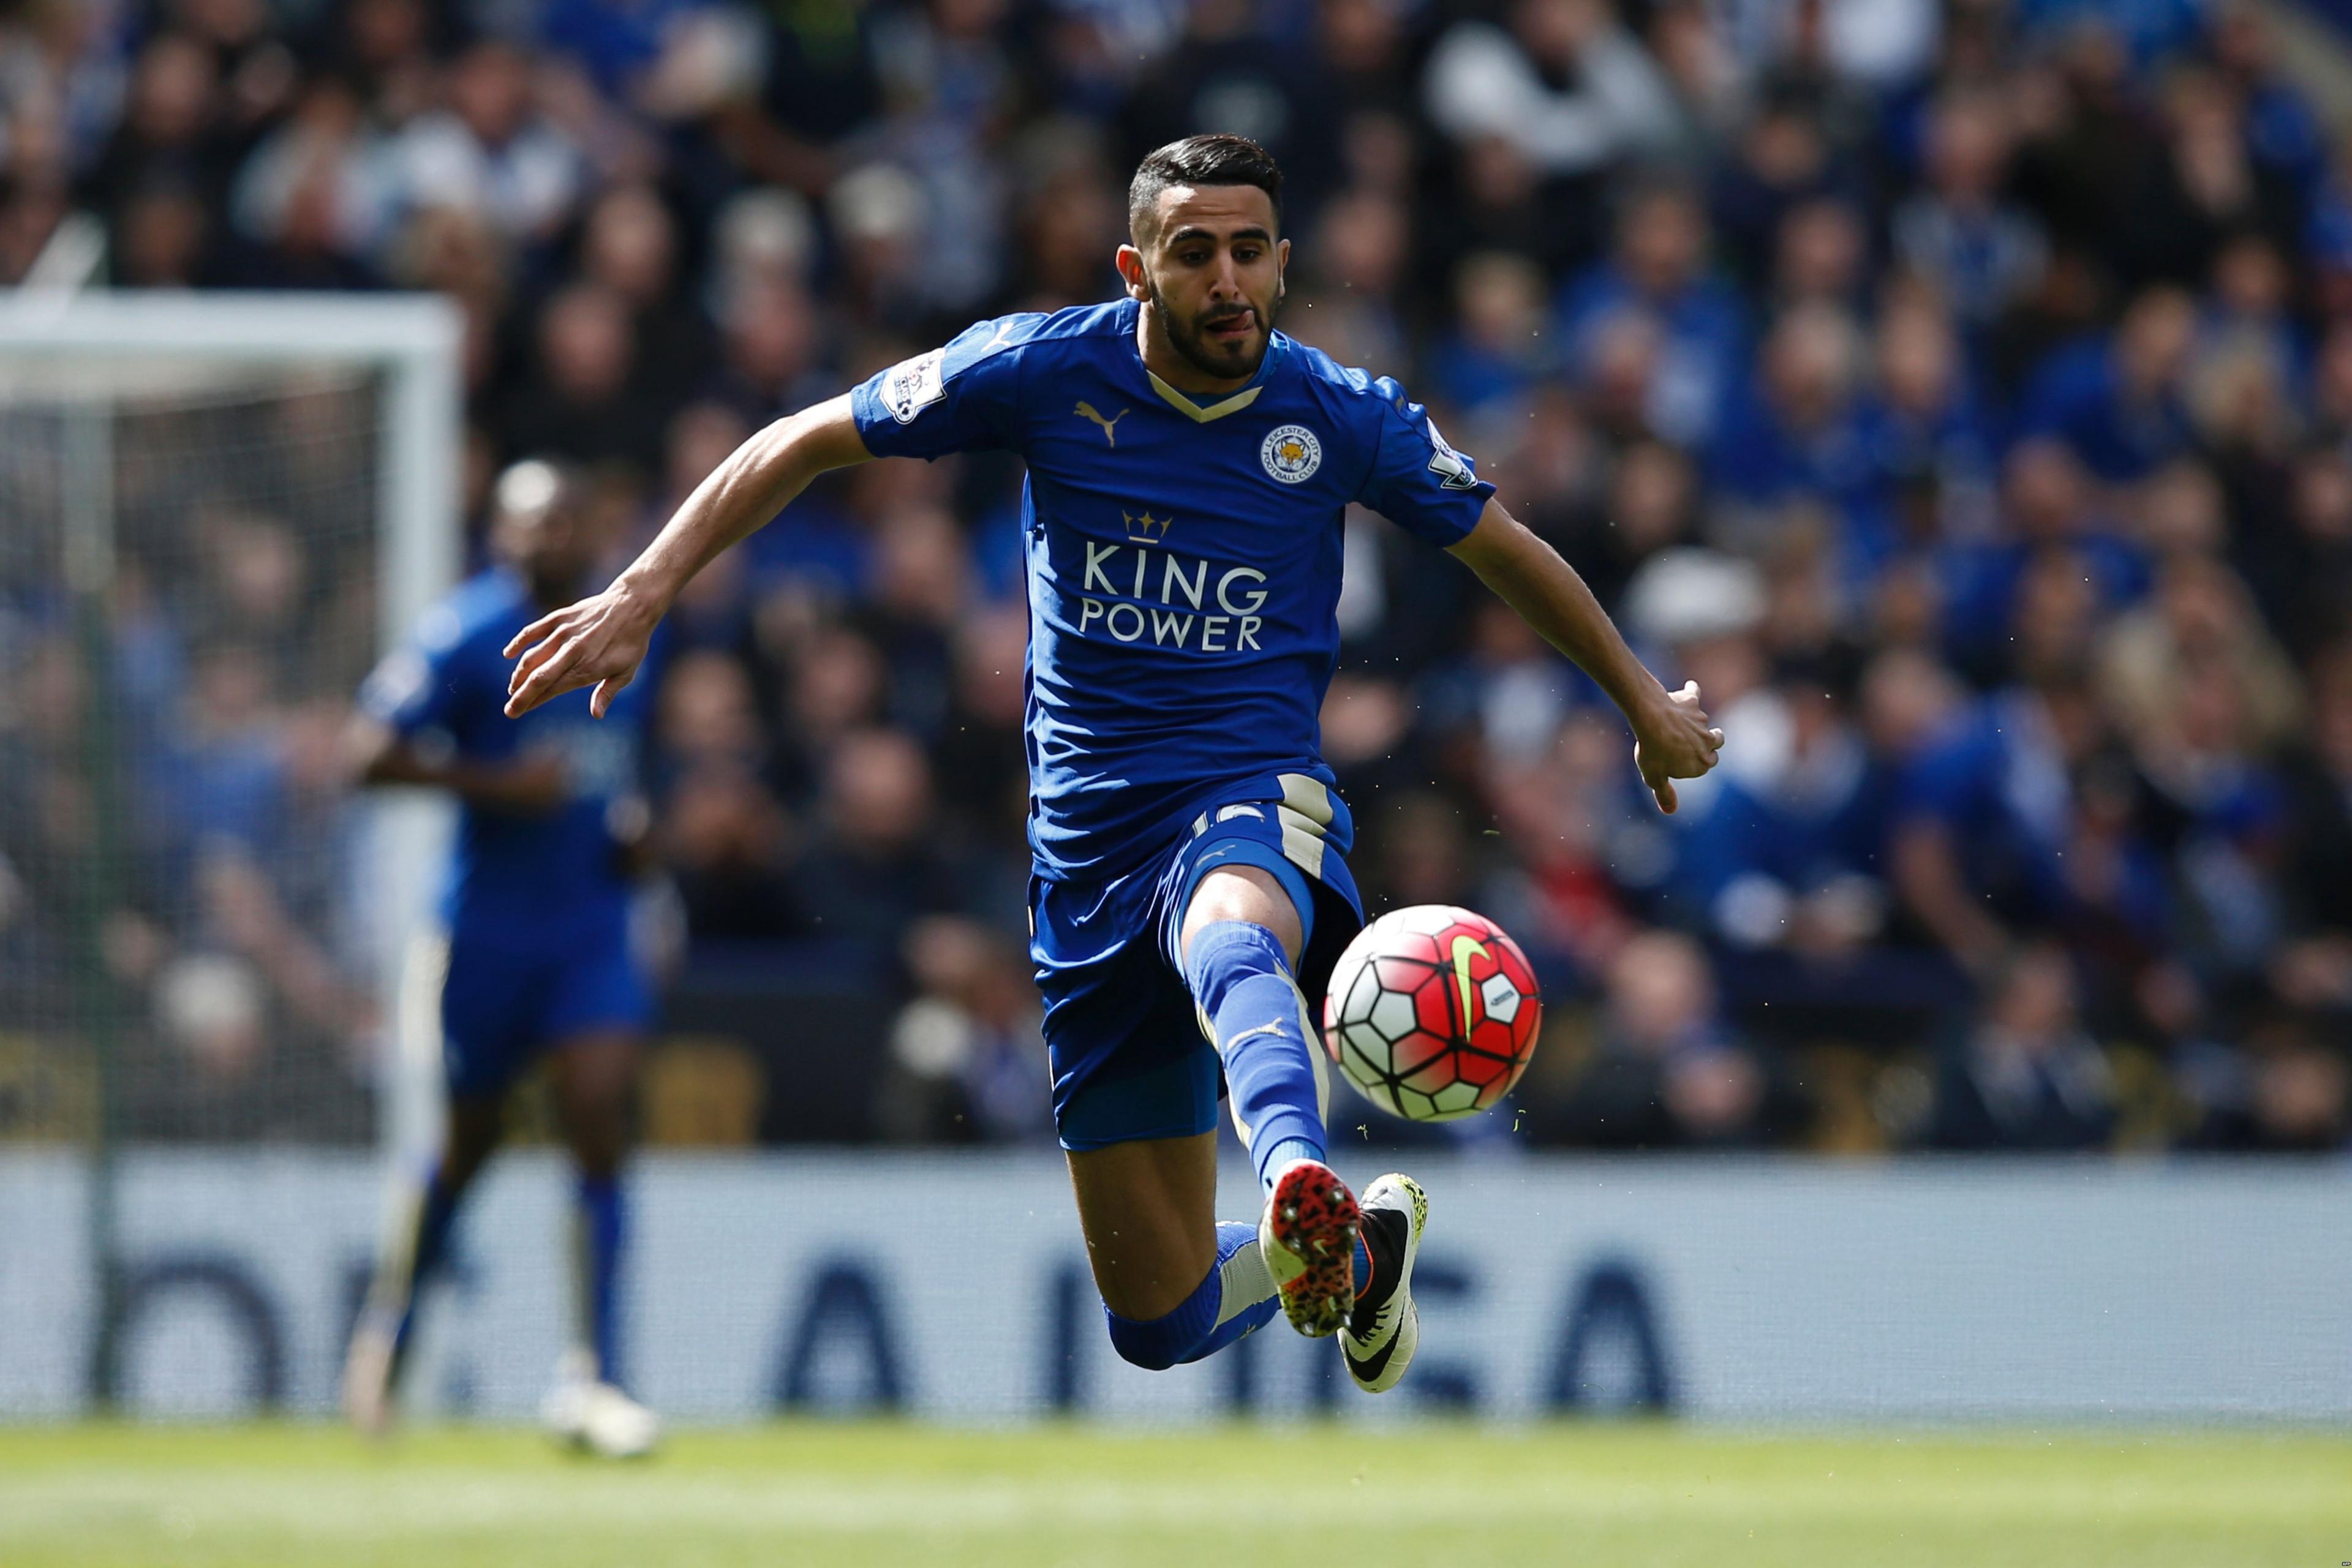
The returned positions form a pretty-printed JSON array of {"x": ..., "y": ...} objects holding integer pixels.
[
  {"x": 2024, "y": 1075},
  {"x": 1485, "y": 80},
  {"x": 1361, "y": 255},
  {"x": 876, "y": 865},
  {"x": 1667, "y": 1073},
  {"x": 2313, "y": 968},
  {"x": 1502, "y": 348},
  {"x": 309, "y": 206},
  {"x": 490, "y": 151},
  {"x": 1659, "y": 280},
  {"x": 707, "y": 719},
  {"x": 2284, "y": 1092},
  {"x": 582, "y": 399},
  {"x": 726, "y": 843},
  {"x": 1821, "y": 254},
  {"x": 2208, "y": 187},
  {"x": 630, "y": 247},
  {"x": 2121, "y": 402},
  {"x": 964, "y": 1052},
  {"x": 170, "y": 134},
  {"x": 1995, "y": 782},
  {"x": 768, "y": 349},
  {"x": 1786, "y": 854},
  {"x": 2050, "y": 510},
  {"x": 2303, "y": 571},
  {"x": 1932, "y": 437},
  {"x": 1780, "y": 163},
  {"x": 1800, "y": 434},
  {"x": 1978, "y": 253}
]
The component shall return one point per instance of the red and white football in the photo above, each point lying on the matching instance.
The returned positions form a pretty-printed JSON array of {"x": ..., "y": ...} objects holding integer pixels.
[{"x": 1433, "y": 1013}]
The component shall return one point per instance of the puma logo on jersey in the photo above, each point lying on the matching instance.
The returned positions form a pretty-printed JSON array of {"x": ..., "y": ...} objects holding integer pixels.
[
  {"x": 1274, "y": 1029},
  {"x": 1110, "y": 433}
]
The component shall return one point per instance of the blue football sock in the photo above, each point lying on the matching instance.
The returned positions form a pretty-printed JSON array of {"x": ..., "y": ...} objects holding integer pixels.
[
  {"x": 596, "y": 1263},
  {"x": 418, "y": 1246},
  {"x": 1243, "y": 983},
  {"x": 1284, "y": 1150},
  {"x": 1237, "y": 1296}
]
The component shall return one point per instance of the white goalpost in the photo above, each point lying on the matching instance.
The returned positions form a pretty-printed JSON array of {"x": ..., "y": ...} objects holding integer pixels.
[
  {"x": 84, "y": 349},
  {"x": 210, "y": 504}
]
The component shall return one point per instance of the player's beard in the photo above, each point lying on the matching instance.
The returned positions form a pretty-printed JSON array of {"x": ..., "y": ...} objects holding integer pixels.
[{"x": 1191, "y": 341}]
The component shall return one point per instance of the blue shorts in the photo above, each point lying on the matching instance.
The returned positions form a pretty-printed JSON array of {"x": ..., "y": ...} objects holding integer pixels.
[
  {"x": 504, "y": 1003},
  {"x": 1129, "y": 1059}
]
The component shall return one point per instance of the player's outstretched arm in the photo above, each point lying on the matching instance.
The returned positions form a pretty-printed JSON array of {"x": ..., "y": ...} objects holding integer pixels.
[
  {"x": 1672, "y": 738},
  {"x": 600, "y": 640},
  {"x": 377, "y": 754}
]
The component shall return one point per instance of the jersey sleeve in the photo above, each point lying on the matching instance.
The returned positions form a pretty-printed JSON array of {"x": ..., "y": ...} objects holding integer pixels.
[
  {"x": 422, "y": 686},
  {"x": 1416, "y": 480},
  {"x": 957, "y": 398}
]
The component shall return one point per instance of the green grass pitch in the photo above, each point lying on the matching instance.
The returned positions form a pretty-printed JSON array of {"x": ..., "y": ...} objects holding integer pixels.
[{"x": 848, "y": 1495}]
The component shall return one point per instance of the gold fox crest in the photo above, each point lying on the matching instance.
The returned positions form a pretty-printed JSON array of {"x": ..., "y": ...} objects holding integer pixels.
[{"x": 1110, "y": 435}]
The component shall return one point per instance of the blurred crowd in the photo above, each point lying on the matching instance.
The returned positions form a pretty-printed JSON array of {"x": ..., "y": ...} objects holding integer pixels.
[{"x": 1960, "y": 391}]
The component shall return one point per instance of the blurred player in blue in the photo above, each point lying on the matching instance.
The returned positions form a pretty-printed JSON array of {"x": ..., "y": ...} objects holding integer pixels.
[
  {"x": 1189, "y": 469},
  {"x": 537, "y": 963}
]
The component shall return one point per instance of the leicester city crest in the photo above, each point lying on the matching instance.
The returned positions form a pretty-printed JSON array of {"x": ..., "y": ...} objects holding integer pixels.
[{"x": 1291, "y": 454}]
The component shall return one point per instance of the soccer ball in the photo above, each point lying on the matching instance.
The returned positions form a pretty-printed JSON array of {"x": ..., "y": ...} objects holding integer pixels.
[{"x": 1433, "y": 1013}]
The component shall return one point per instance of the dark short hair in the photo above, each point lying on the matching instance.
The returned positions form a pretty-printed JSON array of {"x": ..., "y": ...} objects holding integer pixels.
[{"x": 1214, "y": 159}]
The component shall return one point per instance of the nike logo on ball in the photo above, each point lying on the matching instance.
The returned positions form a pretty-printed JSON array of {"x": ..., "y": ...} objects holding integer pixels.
[{"x": 1465, "y": 948}]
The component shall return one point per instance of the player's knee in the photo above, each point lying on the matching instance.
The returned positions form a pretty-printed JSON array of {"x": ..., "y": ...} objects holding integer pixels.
[
  {"x": 1176, "y": 1335},
  {"x": 1247, "y": 896},
  {"x": 1154, "y": 1344}
]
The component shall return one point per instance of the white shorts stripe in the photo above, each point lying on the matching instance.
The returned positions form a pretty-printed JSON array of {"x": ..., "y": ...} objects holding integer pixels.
[
  {"x": 1308, "y": 797},
  {"x": 1302, "y": 845}
]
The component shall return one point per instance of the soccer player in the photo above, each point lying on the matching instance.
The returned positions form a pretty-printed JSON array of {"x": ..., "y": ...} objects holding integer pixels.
[
  {"x": 537, "y": 963},
  {"x": 1189, "y": 467}
]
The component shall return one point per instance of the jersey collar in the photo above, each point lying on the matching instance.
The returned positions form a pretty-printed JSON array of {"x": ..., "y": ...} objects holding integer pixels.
[{"x": 1184, "y": 402}]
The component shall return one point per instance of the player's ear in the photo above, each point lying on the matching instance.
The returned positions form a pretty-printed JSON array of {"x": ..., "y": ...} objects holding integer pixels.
[
  {"x": 1129, "y": 262},
  {"x": 1281, "y": 268}
]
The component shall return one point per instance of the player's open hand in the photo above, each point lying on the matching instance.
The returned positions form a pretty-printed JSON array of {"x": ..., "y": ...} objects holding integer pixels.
[
  {"x": 598, "y": 642},
  {"x": 1673, "y": 740}
]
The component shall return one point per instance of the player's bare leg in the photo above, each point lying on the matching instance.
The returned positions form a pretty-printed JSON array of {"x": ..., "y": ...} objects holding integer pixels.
[
  {"x": 413, "y": 1248},
  {"x": 1176, "y": 1285},
  {"x": 594, "y": 1081},
  {"x": 1150, "y": 1213}
]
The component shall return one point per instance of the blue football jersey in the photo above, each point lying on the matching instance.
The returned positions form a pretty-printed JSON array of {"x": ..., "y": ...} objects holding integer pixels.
[
  {"x": 515, "y": 878},
  {"x": 1182, "y": 556}
]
